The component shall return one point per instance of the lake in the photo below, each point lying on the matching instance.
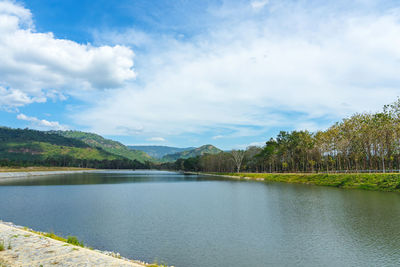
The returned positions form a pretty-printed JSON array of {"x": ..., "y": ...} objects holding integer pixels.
[{"x": 190, "y": 220}]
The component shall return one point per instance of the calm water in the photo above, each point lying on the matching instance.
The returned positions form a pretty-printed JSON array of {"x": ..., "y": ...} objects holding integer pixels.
[{"x": 193, "y": 221}]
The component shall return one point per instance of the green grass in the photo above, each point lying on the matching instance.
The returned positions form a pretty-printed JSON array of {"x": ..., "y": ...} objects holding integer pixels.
[
  {"x": 74, "y": 241},
  {"x": 368, "y": 181},
  {"x": 1, "y": 245},
  {"x": 155, "y": 264}
]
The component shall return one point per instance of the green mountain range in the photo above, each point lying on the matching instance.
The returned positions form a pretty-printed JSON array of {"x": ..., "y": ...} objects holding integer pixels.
[
  {"x": 206, "y": 149},
  {"x": 159, "y": 151},
  {"x": 113, "y": 147},
  {"x": 75, "y": 148},
  {"x": 32, "y": 145}
]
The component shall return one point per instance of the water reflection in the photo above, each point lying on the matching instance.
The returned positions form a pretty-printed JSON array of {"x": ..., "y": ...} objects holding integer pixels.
[{"x": 189, "y": 220}]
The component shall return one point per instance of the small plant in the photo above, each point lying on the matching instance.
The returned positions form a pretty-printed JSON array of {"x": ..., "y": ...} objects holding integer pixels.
[
  {"x": 1, "y": 245},
  {"x": 156, "y": 264},
  {"x": 56, "y": 237},
  {"x": 74, "y": 241},
  {"x": 9, "y": 245}
]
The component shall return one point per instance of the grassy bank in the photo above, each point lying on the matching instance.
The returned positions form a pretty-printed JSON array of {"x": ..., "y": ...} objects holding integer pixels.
[
  {"x": 367, "y": 181},
  {"x": 40, "y": 169}
]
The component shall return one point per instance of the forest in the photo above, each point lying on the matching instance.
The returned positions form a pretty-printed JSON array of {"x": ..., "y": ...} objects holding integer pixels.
[
  {"x": 364, "y": 142},
  {"x": 68, "y": 161}
]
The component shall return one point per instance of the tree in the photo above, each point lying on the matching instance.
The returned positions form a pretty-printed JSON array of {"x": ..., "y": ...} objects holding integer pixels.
[{"x": 237, "y": 156}]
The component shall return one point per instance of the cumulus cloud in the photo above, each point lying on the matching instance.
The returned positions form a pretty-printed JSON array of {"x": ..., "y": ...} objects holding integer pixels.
[
  {"x": 42, "y": 124},
  {"x": 156, "y": 139},
  {"x": 275, "y": 71},
  {"x": 13, "y": 97},
  {"x": 34, "y": 63}
]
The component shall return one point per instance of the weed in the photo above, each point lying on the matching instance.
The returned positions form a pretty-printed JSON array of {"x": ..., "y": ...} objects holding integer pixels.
[
  {"x": 1, "y": 245},
  {"x": 156, "y": 264},
  {"x": 74, "y": 241},
  {"x": 56, "y": 237}
]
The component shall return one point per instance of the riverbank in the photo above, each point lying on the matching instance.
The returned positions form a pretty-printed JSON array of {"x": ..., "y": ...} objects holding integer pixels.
[
  {"x": 41, "y": 169},
  {"x": 20, "y": 246},
  {"x": 27, "y": 172},
  {"x": 389, "y": 182}
]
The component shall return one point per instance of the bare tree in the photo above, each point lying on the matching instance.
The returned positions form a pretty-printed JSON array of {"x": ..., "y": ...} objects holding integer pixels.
[{"x": 237, "y": 156}]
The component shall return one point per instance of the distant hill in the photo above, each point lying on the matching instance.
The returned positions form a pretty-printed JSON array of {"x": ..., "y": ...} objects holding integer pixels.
[
  {"x": 32, "y": 145},
  {"x": 113, "y": 147},
  {"x": 210, "y": 149},
  {"x": 159, "y": 151}
]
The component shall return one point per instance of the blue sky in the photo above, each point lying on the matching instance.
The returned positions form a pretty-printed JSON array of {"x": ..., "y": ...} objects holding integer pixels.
[{"x": 187, "y": 73}]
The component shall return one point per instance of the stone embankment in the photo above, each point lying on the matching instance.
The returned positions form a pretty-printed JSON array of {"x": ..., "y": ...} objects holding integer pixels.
[
  {"x": 21, "y": 247},
  {"x": 4, "y": 175}
]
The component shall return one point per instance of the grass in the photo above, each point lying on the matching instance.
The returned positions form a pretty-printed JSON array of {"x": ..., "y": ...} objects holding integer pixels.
[
  {"x": 157, "y": 265},
  {"x": 389, "y": 182},
  {"x": 1, "y": 245},
  {"x": 74, "y": 241}
]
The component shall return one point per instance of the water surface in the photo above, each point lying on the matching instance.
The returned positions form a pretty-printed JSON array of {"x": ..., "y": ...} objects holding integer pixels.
[{"x": 197, "y": 221}]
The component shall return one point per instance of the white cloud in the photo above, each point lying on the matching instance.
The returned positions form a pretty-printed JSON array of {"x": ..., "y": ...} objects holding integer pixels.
[
  {"x": 42, "y": 124},
  {"x": 33, "y": 64},
  {"x": 242, "y": 75},
  {"x": 156, "y": 139},
  {"x": 255, "y": 73},
  {"x": 13, "y": 98},
  {"x": 259, "y": 144},
  {"x": 259, "y": 4}
]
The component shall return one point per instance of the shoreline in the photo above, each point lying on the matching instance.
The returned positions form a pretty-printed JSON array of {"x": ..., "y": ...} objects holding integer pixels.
[
  {"x": 384, "y": 182},
  {"x": 22, "y": 246},
  {"x": 10, "y": 175}
]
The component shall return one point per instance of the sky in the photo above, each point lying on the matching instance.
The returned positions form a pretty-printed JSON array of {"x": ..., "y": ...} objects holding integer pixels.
[{"x": 187, "y": 73}]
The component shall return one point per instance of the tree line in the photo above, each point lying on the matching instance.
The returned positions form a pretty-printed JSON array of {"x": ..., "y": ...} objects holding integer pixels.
[
  {"x": 68, "y": 161},
  {"x": 362, "y": 142}
]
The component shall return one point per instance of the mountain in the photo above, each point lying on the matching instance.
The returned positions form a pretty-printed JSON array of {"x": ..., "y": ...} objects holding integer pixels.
[
  {"x": 38, "y": 146},
  {"x": 113, "y": 147},
  {"x": 159, "y": 151},
  {"x": 206, "y": 149}
]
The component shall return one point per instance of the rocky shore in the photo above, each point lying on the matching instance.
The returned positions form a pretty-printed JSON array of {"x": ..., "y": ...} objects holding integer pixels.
[
  {"x": 4, "y": 175},
  {"x": 20, "y": 246}
]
